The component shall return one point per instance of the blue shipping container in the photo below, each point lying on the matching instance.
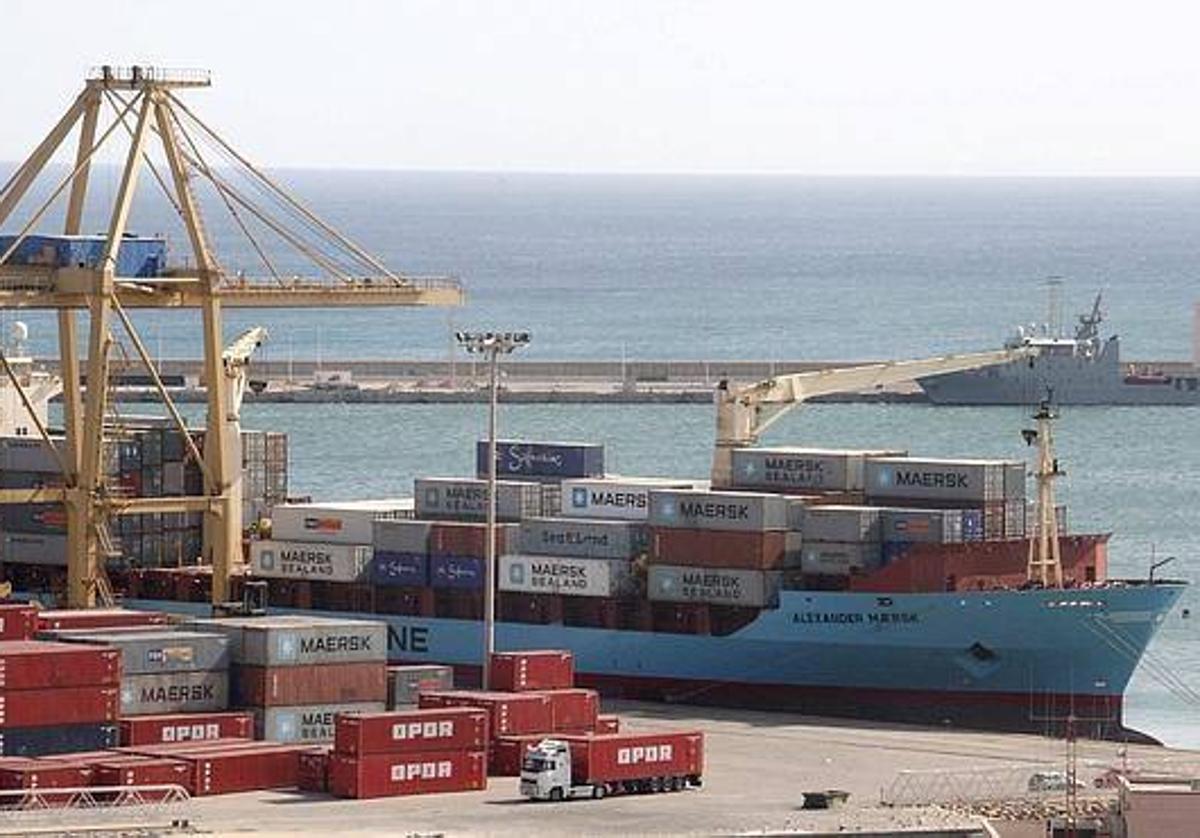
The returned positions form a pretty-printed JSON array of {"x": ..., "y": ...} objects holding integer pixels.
[
  {"x": 136, "y": 257},
  {"x": 460, "y": 572},
  {"x": 400, "y": 569},
  {"x": 518, "y": 458},
  {"x": 972, "y": 524},
  {"x": 58, "y": 739}
]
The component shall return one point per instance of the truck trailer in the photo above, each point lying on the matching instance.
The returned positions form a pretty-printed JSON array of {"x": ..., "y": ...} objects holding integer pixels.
[{"x": 619, "y": 763}]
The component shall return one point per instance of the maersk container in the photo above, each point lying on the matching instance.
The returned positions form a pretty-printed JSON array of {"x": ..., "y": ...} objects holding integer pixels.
[
  {"x": 564, "y": 575},
  {"x": 137, "y": 256},
  {"x": 401, "y": 536},
  {"x": 28, "y": 454},
  {"x": 583, "y": 538},
  {"x": 456, "y": 572},
  {"x": 831, "y": 558},
  {"x": 151, "y": 652},
  {"x": 306, "y": 723},
  {"x": 298, "y": 640},
  {"x": 409, "y": 570},
  {"x": 936, "y": 479},
  {"x": 465, "y": 498},
  {"x": 926, "y": 526},
  {"x": 30, "y": 548},
  {"x": 841, "y": 523},
  {"x": 624, "y": 498},
  {"x": 707, "y": 510},
  {"x": 720, "y": 586},
  {"x": 802, "y": 469},
  {"x": 345, "y": 522},
  {"x": 328, "y": 562},
  {"x": 175, "y": 692},
  {"x": 522, "y": 458}
]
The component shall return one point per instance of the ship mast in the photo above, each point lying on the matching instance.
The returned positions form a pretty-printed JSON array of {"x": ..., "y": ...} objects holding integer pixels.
[{"x": 1045, "y": 561}]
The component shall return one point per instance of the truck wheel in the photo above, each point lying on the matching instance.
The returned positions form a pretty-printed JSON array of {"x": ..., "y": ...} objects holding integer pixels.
[
  {"x": 599, "y": 791},
  {"x": 556, "y": 794},
  {"x": 656, "y": 785},
  {"x": 677, "y": 784}
]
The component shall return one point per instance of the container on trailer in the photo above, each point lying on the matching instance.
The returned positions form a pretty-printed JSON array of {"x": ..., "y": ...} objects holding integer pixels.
[
  {"x": 467, "y": 498},
  {"x": 456, "y": 572},
  {"x": 99, "y": 618},
  {"x": 344, "y": 522},
  {"x": 409, "y": 570},
  {"x": 36, "y": 664},
  {"x": 719, "y": 548},
  {"x": 33, "y": 548},
  {"x": 509, "y": 713},
  {"x": 802, "y": 469},
  {"x": 469, "y": 539},
  {"x": 292, "y": 640},
  {"x": 331, "y": 683},
  {"x": 306, "y": 723},
  {"x": 150, "y": 652},
  {"x": 533, "y": 669},
  {"x": 198, "y": 691},
  {"x": 506, "y": 753},
  {"x": 323, "y": 561},
  {"x": 406, "y": 731},
  {"x": 18, "y": 620},
  {"x": 635, "y": 756},
  {"x": 140, "y": 771},
  {"x": 709, "y": 510},
  {"x": 56, "y": 739},
  {"x": 622, "y": 498},
  {"x": 834, "y": 558},
  {"x": 405, "y": 536},
  {"x": 841, "y": 523},
  {"x": 59, "y": 706},
  {"x": 523, "y": 458},
  {"x": 186, "y": 727},
  {"x": 936, "y": 479},
  {"x": 565, "y": 575},
  {"x": 583, "y": 538},
  {"x": 721, "y": 586},
  {"x": 393, "y": 775},
  {"x": 406, "y": 682},
  {"x": 925, "y": 526},
  {"x": 573, "y": 710}
]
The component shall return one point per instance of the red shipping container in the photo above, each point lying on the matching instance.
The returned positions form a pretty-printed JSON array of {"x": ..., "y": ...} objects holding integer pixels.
[
  {"x": 636, "y": 756},
  {"x": 140, "y": 771},
  {"x": 314, "y": 771},
  {"x": 405, "y": 731},
  {"x": 267, "y": 765},
  {"x": 40, "y": 774},
  {"x": 608, "y": 724},
  {"x": 468, "y": 539},
  {"x": 38, "y": 665},
  {"x": 532, "y": 670},
  {"x": 718, "y": 548},
  {"x": 82, "y": 757},
  {"x": 282, "y": 686},
  {"x": 573, "y": 710},
  {"x": 69, "y": 706},
  {"x": 506, "y": 753},
  {"x": 509, "y": 713},
  {"x": 18, "y": 620},
  {"x": 392, "y": 775},
  {"x": 186, "y": 727},
  {"x": 99, "y": 618}
]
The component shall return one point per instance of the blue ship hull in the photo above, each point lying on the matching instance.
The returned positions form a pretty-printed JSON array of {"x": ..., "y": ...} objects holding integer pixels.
[{"x": 1019, "y": 660}]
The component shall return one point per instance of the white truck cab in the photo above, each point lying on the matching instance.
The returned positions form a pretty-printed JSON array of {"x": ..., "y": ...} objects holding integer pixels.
[{"x": 546, "y": 773}]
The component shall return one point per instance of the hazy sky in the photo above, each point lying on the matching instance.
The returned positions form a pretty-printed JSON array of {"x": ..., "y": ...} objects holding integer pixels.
[{"x": 843, "y": 86}]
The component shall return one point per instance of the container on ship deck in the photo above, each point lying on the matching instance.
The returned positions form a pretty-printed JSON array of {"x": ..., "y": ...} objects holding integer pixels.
[
  {"x": 1014, "y": 481},
  {"x": 310, "y": 560},
  {"x": 565, "y": 575},
  {"x": 28, "y": 454},
  {"x": 395, "y": 775},
  {"x": 186, "y": 727},
  {"x": 506, "y": 753},
  {"x": 391, "y": 568},
  {"x": 466, "y": 498},
  {"x": 931, "y": 526},
  {"x": 582, "y": 538},
  {"x": 716, "y": 548},
  {"x": 410, "y": 536},
  {"x": 833, "y": 558},
  {"x": 149, "y": 652},
  {"x": 727, "y": 586},
  {"x": 841, "y": 523},
  {"x": 345, "y": 522},
  {"x": 406, "y": 682},
  {"x": 200, "y": 691},
  {"x": 523, "y": 458},
  {"x": 408, "y": 731},
  {"x": 57, "y": 739},
  {"x": 34, "y": 518},
  {"x": 508, "y": 713},
  {"x": 33, "y": 548},
  {"x": 36, "y": 664},
  {"x": 936, "y": 479},
  {"x": 802, "y": 469},
  {"x": 331, "y": 683},
  {"x": 533, "y": 670},
  {"x": 463, "y": 573},
  {"x": 465, "y": 538},
  {"x": 708, "y": 510},
  {"x": 621, "y": 498},
  {"x": 307, "y": 722},
  {"x": 293, "y": 640}
]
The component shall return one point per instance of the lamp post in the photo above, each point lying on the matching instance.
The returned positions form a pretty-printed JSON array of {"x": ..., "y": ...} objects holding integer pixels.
[{"x": 492, "y": 345}]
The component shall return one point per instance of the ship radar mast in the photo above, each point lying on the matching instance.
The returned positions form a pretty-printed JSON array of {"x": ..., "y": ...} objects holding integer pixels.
[{"x": 1045, "y": 560}]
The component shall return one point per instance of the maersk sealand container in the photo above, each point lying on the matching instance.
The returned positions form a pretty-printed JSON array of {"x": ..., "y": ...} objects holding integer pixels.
[{"x": 555, "y": 460}]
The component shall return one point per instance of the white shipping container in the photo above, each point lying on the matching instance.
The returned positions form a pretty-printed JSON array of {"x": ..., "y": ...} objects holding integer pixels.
[
  {"x": 936, "y": 479},
  {"x": 831, "y": 558},
  {"x": 566, "y": 575},
  {"x": 720, "y": 586},
  {"x": 708, "y": 510},
  {"x": 841, "y": 523},
  {"x": 344, "y": 522},
  {"x": 305, "y": 723},
  {"x": 819, "y": 469},
  {"x": 310, "y": 560},
  {"x": 622, "y": 498}
]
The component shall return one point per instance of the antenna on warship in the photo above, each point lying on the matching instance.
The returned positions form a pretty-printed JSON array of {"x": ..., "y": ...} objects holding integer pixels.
[{"x": 1045, "y": 560}]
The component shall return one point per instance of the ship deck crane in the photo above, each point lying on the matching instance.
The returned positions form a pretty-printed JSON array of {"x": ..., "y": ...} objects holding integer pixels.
[
  {"x": 745, "y": 412},
  {"x": 146, "y": 103}
]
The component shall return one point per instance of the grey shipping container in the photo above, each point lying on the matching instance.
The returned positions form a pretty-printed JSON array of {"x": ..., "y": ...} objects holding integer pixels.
[
  {"x": 792, "y": 548},
  {"x": 841, "y": 523},
  {"x": 925, "y": 526},
  {"x": 149, "y": 652},
  {"x": 803, "y": 469},
  {"x": 26, "y": 548},
  {"x": 723, "y": 586},
  {"x": 465, "y": 498},
  {"x": 175, "y": 692},
  {"x": 832, "y": 558},
  {"x": 295, "y": 640},
  {"x": 405, "y": 683},
  {"x": 740, "y": 511},
  {"x": 23, "y": 453},
  {"x": 307, "y": 722},
  {"x": 1014, "y": 481},
  {"x": 935, "y": 479},
  {"x": 401, "y": 536},
  {"x": 583, "y": 538}
]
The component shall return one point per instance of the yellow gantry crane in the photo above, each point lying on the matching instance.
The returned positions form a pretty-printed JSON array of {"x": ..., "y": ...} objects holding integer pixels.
[{"x": 147, "y": 107}]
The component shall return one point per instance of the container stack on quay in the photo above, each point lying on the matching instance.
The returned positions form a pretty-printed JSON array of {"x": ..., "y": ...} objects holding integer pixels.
[{"x": 405, "y": 683}]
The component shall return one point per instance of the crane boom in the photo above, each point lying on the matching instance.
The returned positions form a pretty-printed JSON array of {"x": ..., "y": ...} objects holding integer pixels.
[{"x": 743, "y": 413}]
